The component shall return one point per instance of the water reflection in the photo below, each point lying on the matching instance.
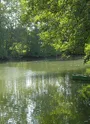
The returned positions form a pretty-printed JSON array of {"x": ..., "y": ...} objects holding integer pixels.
[
  {"x": 84, "y": 104},
  {"x": 32, "y": 98},
  {"x": 43, "y": 98}
]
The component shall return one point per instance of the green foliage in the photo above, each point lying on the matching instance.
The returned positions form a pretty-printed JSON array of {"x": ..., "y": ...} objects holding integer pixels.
[
  {"x": 18, "y": 49},
  {"x": 87, "y": 52},
  {"x": 19, "y": 40},
  {"x": 61, "y": 22},
  {"x": 87, "y": 49},
  {"x": 45, "y": 27}
]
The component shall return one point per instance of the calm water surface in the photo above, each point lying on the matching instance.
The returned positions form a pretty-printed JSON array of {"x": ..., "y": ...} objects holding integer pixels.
[{"x": 42, "y": 92}]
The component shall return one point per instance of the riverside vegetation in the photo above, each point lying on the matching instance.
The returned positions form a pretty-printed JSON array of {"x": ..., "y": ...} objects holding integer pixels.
[{"x": 44, "y": 28}]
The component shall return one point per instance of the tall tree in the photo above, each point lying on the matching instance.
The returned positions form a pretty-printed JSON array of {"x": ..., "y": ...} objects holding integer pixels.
[
  {"x": 64, "y": 24},
  {"x": 3, "y": 52}
]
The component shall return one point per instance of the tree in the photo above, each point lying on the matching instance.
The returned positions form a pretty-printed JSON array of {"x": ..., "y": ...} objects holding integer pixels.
[
  {"x": 7, "y": 24},
  {"x": 62, "y": 23},
  {"x": 3, "y": 52}
]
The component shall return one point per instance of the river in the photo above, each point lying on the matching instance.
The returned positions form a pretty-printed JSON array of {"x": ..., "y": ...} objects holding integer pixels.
[{"x": 42, "y": 92}]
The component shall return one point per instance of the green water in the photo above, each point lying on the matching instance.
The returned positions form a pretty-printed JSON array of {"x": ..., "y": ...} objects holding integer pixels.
[{"x": 42, "y": 92}]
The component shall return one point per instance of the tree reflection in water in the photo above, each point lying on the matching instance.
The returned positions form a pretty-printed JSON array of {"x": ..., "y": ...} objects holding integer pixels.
[
  {"x": 84, "y": 104},
  {"x": 43, "y": 99},
  {"x": 52, "y": 107}
]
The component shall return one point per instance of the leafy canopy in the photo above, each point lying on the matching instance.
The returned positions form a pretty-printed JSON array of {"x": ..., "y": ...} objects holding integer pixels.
[{"x": 62, "y": 22}]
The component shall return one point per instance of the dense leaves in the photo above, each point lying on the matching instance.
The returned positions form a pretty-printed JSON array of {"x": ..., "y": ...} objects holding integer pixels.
[
  {"x": 64, "y": 24},
  {"x": 43, "y": 28}
]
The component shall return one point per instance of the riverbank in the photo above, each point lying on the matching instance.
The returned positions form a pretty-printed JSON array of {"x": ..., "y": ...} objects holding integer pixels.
[{"x": 59, "y": 58}]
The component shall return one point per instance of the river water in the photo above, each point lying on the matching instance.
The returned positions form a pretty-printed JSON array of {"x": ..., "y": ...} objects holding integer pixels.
[{"x": 42, "y": 92}]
